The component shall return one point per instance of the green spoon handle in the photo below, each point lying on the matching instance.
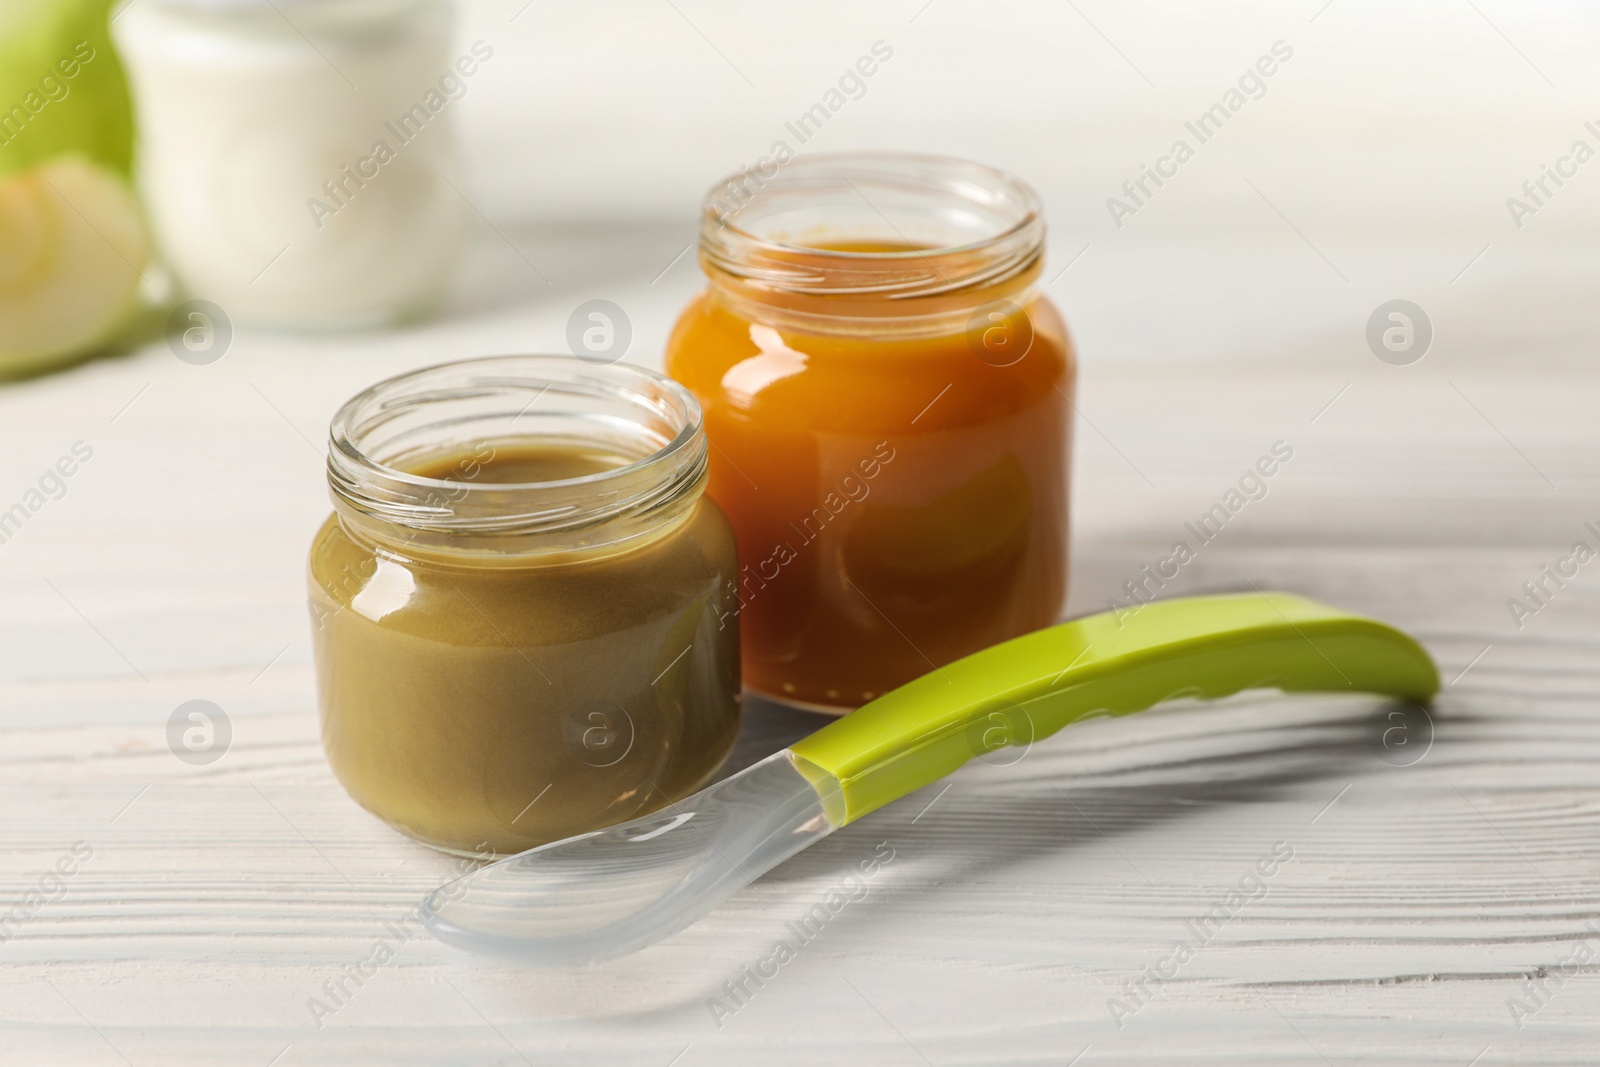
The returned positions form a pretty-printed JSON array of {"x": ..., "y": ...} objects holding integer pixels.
[{"x": 1112, "y": 663}]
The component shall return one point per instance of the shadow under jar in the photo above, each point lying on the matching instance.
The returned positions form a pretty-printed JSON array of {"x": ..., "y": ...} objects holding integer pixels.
[
  {"x": 889, "y": 401},
  {"x": 521, "y": 606}
]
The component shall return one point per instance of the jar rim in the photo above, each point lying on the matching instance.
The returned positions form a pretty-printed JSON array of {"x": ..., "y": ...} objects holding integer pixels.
[
  {"x": 1010, "y": 246},
  {"x": 365, "y": 468}
]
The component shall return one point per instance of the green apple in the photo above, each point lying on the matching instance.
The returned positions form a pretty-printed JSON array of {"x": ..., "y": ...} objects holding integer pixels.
[
  {"x": 73, "y": 246},
  {"x": 72, "y": 249}
]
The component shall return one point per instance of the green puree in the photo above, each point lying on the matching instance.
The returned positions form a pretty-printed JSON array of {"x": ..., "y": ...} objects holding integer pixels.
[{"x": 493, "y": 702}]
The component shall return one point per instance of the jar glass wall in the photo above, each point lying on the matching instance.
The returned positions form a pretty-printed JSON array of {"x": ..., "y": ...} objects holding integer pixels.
[
  {"x": 889, "y": 398},
  {"x": 521, "y": 606},
  {"x": 297, "y": 158}
]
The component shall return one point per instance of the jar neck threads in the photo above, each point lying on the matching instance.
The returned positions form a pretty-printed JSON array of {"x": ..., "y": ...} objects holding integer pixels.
[
  {"x": 470, "y": 408},
  {"x": 872, "y": 235}
]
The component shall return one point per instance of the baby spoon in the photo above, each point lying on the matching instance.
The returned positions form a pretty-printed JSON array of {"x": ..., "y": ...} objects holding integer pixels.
[{"x": 606, "y": 894}]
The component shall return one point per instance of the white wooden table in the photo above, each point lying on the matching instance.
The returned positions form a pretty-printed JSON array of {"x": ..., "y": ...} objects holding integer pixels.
[{"x": 220, "y": 899}]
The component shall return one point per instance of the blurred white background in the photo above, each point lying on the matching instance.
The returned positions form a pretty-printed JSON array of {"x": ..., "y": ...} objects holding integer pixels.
[{"x": 1377, "y": 164}]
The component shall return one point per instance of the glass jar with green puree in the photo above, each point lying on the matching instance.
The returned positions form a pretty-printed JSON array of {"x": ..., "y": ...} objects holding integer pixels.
[{"x": 523, "y": 606}]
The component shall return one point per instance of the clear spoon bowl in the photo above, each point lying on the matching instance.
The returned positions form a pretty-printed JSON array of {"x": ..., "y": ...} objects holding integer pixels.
[{"x": 618, "y": 890}]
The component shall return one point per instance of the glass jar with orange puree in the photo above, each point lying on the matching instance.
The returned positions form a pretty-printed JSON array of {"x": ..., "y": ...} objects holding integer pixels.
[{"x": 887, "y": 397}]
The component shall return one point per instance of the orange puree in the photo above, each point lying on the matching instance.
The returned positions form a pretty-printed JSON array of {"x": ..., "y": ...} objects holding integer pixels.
[{"x": 897, "y": 486}]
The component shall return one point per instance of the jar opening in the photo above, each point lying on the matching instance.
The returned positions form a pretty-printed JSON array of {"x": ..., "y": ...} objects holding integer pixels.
[
  {"x": 383, "y": 436},
  {"x": 879, "y": 225}
]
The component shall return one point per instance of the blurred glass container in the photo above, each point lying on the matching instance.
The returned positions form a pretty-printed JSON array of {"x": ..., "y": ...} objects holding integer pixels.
[{"x": 296, "y": 156}]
